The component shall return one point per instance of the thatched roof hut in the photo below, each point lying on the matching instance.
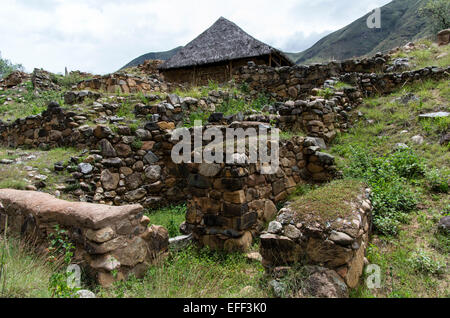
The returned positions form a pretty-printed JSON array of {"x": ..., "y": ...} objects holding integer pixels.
[{"x": 215, "y": 53}]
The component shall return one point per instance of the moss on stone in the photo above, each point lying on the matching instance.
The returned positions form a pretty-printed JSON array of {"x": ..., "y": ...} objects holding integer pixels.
[{"x": 329, "y": 202}]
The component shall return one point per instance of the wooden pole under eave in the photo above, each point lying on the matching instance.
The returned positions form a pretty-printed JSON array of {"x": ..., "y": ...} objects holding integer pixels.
[
  {"x": 231, "y": 70},
  {"x": 270, "y": 59}
]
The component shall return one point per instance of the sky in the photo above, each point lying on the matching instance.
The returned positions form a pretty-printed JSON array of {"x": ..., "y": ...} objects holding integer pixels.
[{"x": 101, "y": 36}]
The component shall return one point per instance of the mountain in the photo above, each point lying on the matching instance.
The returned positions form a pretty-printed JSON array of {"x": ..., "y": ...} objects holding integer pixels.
[
  {"x": 153, "y": 56},
  {"x": 400, "y": 23}
]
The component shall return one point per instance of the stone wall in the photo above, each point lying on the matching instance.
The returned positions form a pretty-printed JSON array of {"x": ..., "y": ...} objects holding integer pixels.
[
  {"x": 107, "y": 239},
  {"x": 124, "y": 83},
  {"x": 333, "y": 242},
  {"x": 386, "y": 83},
  {"x": 231, "y": 203},
  {"x": 121, "y": 166},
  {"x": 299, "y": 81}
]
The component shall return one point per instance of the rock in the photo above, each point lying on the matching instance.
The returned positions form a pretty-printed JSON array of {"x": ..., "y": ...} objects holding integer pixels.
[
  {"x": 417, "y": 140},
  {"x": 255, "y": 256},
  {"x": 71, "y": 214},
  {"x": 135, "y": 195},
  {"x": 105, "y": 262},
  {"x": 107, "y": 150},
  {"x": 101, "y": 236},
  {"x": 180, "y": 242},
  {"x": 443, "y": 37},
  {"x": 153, "y": 173},
  {"x": 270, "y": 211},
  {"x": 434, "y": 115},
  {"x": 150, "y": 158},
  {"x": 134, "y": 253},
  {"x": 324, "y": 283},
  {"x": 109, "y": 180},
  {"x": 279, "y": 289},
  {"x": 85, "y": 294},
  {"x": 101, "y": 131},
  {"x": 240, "y": 244},
  {"x": 325, "y": 158},
  {"x": 209, "y": 170},
  {"x": 133, "y": 181},
  {"x": 85, "y": 168},
  {"x": 173, "y": 99},
  {"x": 341, "y": 238},
  {"x": 444, "y": 224},
  {"x": 292, "y": 232},
  {"x": 275, "y": 227},
  {"x": 6, "y": 161}
]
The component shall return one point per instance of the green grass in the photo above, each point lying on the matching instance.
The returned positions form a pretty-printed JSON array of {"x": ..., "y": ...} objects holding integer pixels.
[
  {"x": 196, "y": 273},
  {"x": 169, "y": 217},
  {"x": 14, "y": 176},
  {"x": 24, "y": 273},
  {"x": 328, "y": 202},
  {"x": 33, "y": 105},
  {"x": 409, "y": 189}
]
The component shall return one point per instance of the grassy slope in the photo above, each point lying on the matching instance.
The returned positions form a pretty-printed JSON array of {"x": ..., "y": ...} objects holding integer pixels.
[
  {"x": 408, "y": 261},
  {"x": 400, "y": 24}
]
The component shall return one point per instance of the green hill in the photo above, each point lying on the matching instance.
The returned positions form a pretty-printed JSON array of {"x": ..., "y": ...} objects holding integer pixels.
[
  {"x": 153, "y": 56},
  {"x": 400, "y": 23}
]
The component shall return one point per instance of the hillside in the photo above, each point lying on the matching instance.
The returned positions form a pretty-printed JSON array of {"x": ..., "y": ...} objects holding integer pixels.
[
  {"x": 153, "y": 56},
  {"x": 400, "y": 23}
]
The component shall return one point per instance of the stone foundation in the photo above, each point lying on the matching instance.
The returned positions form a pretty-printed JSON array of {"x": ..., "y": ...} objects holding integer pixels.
[
  {"x": 108, "y": 239},
  {"x": 331, "y": 242}
]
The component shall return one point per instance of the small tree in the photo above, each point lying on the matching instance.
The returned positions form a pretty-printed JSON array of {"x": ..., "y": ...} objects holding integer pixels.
[
  {"x": 6, "y": 67},
  {"x": 438, "y": 11}
]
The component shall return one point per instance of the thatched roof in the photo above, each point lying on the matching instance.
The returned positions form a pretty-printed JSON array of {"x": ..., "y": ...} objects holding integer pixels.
[{"x": 223, "y": 41}]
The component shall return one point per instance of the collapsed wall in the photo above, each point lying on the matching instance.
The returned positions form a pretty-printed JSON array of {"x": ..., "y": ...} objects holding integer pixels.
[
  {"x": 323, "y": 235},
  {"x": 110, "y": 242}
]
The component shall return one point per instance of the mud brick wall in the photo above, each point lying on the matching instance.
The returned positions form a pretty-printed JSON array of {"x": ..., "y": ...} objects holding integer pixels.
[
  {"x": 231, "y": 204},
  {"x": 335, "y": 243},
  {"x": 107, "y": 239}
]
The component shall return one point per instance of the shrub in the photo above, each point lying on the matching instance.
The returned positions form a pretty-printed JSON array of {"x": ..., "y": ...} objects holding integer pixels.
[
  {"x": 437, "y": 180},
  {"x": 387, "y": 175},
  {"x": 424, "y": 263},
  {"x": 407, "y": 164}
]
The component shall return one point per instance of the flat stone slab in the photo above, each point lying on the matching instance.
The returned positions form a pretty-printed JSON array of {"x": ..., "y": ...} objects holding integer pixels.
[
  {"x": 435, "y": 115},
  {"x": 46, "y": 207}
]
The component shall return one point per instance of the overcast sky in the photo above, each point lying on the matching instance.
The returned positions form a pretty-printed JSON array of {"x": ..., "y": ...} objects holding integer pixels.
[{"x": 100, "y": 36}]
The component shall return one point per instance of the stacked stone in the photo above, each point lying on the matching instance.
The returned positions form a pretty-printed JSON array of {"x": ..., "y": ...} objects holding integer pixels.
[
  {"x": 372, "y": 84},
  {"x": 43, "y": 80},
  {"x": 337, "y": 244},
  {"x": 111, "y": 242},
  {"x": 299, "y": 81},
  {"x": 125, "y": 83},
  {"x": 122, "y": 171},
  {"x": 53, "y": 128},
  {"x": 231, "y": 203}
]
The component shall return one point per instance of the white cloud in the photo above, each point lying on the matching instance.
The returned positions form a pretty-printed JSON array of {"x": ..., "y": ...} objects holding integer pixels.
[{"x": 103, "y": 35}]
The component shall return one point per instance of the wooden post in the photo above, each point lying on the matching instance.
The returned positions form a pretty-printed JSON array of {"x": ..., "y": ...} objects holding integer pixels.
[
  {"x": 231, "y": 70},
  {"x": 270, "y": 59}
]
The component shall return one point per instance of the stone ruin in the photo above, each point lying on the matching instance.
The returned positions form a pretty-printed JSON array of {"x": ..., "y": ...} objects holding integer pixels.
[
  {"x": 107, "y": 239},
  {"x": 228, "y": 204}
]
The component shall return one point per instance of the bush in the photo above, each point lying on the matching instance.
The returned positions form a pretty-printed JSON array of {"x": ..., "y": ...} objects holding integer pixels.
[
  {"x": 387, "y": 176},
  {"x": 422, "y": 262},
  {"x": 437, "y": 180},
  {"x": 407, "y": 164}
]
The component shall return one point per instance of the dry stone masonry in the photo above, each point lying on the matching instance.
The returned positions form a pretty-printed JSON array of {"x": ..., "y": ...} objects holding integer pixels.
[
  {"x": 111, "y": 242},
  {"x": 333, "y": 242}
]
